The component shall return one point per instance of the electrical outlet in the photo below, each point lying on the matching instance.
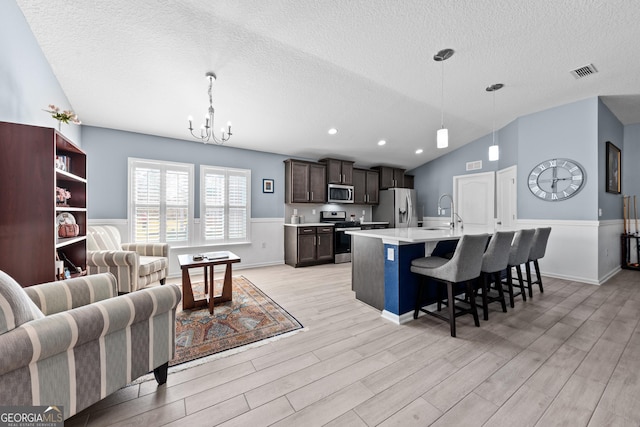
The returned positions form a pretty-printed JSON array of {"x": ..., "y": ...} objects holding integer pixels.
[
  {"x": 313, "y": 211},
  {"x": 363, "y": 212}
]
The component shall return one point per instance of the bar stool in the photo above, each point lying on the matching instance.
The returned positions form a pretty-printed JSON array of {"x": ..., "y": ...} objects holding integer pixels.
[
  {"x": 518, "y": 255},
  {"x": 463, "y": 267},
  {"x": 494, "y": 261},
  {"x": 538, "y": 248}
]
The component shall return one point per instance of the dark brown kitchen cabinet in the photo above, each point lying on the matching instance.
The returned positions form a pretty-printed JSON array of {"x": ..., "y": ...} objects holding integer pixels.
[
  {"x": 305, "y": 246},
  {"x": 365, "y": 186},
  {"x": 390, "y": 177},
  {"x": 339, "y": 171},
  {"x": 305, "y": 182},
  {"x": 408, "y": 181}
]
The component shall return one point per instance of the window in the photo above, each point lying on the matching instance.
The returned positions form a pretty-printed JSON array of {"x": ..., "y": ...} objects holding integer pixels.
[
  {"x": 160, "y": 201},
  {"x": 225, "y": 204}
]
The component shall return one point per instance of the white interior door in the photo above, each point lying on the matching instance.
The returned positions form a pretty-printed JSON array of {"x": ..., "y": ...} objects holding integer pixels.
[
  {"x": 507, "y": 202},
  {"x": 474, "y": 197}
]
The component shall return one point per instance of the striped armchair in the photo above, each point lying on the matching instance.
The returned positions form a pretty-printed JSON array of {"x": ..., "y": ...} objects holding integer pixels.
[
  {"x": 135, "y": 265},
  {"x": 81, "y": 342}
]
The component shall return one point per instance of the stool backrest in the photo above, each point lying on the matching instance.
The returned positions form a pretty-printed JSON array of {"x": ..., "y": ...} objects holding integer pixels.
[
  {"x": 539, "y": 246},
  {"x": 466, "y": 262},
  {"x": 496, "y": 257},
  {"x": 521, "y": 247}
]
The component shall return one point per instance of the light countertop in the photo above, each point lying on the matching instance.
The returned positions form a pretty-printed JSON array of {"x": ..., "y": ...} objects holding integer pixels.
[{"x": 397, "y": 236}]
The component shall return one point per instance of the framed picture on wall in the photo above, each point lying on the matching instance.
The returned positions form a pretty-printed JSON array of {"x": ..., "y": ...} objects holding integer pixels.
[
  {"x": 614, "y": 169},
  {"x": 267, "y": 186}
]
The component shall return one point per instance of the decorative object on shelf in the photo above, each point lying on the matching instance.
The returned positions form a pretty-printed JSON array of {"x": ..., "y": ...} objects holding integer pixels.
[
  {"x": 267, "y": 186},
  {"x": 206, "y": 130},
  {"x": 67, "y": 261},
  {"x": 67, "y": 226},
  {"x": 62, "y": 195},
  {"x": 494, "y": 149},
  {"x": 64, "y": 116},
  {"x": 442, "y": 136},
  {"x": 614, "y": 169},
  {"x": 63, "y": 163},
  {"x": 557, "y": 179}
]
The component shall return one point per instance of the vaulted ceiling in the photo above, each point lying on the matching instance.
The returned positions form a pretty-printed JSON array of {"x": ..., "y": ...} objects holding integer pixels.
[{"x": 290, "y": 70}]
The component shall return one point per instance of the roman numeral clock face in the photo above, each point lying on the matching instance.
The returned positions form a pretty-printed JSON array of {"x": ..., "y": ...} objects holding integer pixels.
[{"x": 556, "y": 179}]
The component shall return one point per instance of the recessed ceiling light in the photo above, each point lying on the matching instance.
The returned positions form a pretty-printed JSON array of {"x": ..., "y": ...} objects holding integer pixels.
[
  {"x": 333, "y": 131},
  {"x": 382, "y": 142},
  {"x": 419, "y": 151}
]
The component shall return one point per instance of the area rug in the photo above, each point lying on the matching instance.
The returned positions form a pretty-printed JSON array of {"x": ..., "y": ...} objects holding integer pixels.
[{"x": 250, "y": 317}]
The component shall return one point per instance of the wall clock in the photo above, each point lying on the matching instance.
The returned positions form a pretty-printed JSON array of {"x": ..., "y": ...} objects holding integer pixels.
[{"x": 556, "y": 179}]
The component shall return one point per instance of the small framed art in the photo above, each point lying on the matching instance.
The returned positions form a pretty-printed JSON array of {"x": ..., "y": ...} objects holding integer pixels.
[
  {"x": 614, "y": 169},
  {"x": 267, "y": 186}
]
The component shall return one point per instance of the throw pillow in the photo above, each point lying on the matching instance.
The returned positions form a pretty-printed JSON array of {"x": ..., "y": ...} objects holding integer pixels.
[{"x": 16, "y": 307}]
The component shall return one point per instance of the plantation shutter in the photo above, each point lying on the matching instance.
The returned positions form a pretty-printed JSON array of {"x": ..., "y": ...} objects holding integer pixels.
[
  {"x": 161, "y": 201},
  {"x": 225, "y": 204}
]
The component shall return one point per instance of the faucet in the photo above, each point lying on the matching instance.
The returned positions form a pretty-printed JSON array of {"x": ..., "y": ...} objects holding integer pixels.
[{"x": 452, "y": 224}]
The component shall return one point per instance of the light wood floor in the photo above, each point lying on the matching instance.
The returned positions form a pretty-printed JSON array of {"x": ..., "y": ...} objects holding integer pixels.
[{"x": 568, "y": 357}]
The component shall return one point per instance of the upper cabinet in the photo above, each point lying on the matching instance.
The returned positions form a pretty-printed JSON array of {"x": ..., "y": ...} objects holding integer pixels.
[
  {"x": 365, "y": 186},
  {"x": 408, "y": 181},
  {"x": 339, "y": 171},
  {"x": 305, "y": 182},
  {"x": 390, "y": 177},
  {"x": 44, "y": 185}
]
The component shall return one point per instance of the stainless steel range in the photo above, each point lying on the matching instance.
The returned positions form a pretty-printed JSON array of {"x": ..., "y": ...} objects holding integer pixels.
[{"x": 341, "y": 240}]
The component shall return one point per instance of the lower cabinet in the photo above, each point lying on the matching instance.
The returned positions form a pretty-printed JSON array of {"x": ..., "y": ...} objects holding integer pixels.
[{"x": 308, "y": 245}]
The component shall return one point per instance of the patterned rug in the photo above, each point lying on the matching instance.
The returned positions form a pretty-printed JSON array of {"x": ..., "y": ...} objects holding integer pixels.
[{"x": 250, "y": 317}]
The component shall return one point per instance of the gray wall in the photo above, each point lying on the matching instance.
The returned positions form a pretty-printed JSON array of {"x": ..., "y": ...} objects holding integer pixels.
[
  {"x": 577, "y": 131},
  {"x": 108, "y": 151},
  {"x": 436, "y": 177},
  {"x": 27, "y": 82},
  {"x": 568, "y": 131},
  {"x": 609, "y": 129},
  {"x": 630, "y": 157}
]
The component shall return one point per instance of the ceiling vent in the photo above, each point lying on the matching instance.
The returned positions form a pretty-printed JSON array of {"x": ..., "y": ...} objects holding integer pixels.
[
  {"x": 472, "y": 166},
  {"x": 585, "y": 71}
]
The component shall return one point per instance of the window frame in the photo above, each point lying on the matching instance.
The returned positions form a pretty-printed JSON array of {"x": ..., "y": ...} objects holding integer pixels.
[
  {"x": 164, "y": 166},
  {"x": 204, "y": 169}
]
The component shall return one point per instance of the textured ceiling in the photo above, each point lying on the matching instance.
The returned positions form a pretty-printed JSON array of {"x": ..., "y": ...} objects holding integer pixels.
[{"x": 289, "y": 70}]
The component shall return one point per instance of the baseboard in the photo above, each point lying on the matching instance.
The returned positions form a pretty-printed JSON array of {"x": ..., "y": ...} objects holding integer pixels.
[{"x": 394, "y": 318}]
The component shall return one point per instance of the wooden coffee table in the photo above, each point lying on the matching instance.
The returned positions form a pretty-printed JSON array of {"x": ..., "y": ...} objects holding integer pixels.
[{"x": 210, "y": 260}]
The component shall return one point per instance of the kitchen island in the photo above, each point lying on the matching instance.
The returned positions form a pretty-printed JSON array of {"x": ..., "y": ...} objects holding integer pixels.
[{"x": 381, "y": 264}]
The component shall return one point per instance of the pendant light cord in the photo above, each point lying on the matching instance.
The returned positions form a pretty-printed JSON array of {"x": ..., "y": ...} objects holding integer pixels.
[
  {"x": 442, "y": 97},
  {"x": 493, "y": 124}
]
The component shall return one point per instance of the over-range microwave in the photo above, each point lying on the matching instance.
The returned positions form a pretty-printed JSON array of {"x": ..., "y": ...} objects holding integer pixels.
[{"x": 338, "y": 193}]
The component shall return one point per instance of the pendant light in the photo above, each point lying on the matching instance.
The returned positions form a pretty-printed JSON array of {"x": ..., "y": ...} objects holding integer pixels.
[
  {"x": 442, "y": 136},
  {"x": 494, "y": 149}
]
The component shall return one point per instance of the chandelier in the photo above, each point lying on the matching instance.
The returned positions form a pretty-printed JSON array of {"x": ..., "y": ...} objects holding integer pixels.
[{"x": 206, "y": 130}]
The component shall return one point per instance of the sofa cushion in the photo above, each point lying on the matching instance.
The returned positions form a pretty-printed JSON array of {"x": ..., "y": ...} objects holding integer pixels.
[
  {"x": 16, "y": 307},
  {"x": 151, "y": 264}
]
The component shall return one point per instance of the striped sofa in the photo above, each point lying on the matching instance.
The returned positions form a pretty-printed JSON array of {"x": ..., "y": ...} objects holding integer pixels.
[
  {"x": 74, "y": 342},
  {"x": 135, "y": 265}
]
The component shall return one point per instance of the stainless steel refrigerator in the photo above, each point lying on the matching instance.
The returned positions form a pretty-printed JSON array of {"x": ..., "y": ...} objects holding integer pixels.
[{"x": 397, "y": 207}]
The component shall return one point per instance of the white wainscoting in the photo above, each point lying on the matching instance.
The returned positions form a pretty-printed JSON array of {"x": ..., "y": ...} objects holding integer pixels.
[
  {"x": 583, "y": 251},
  {"x": 266, "y": 246}
]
